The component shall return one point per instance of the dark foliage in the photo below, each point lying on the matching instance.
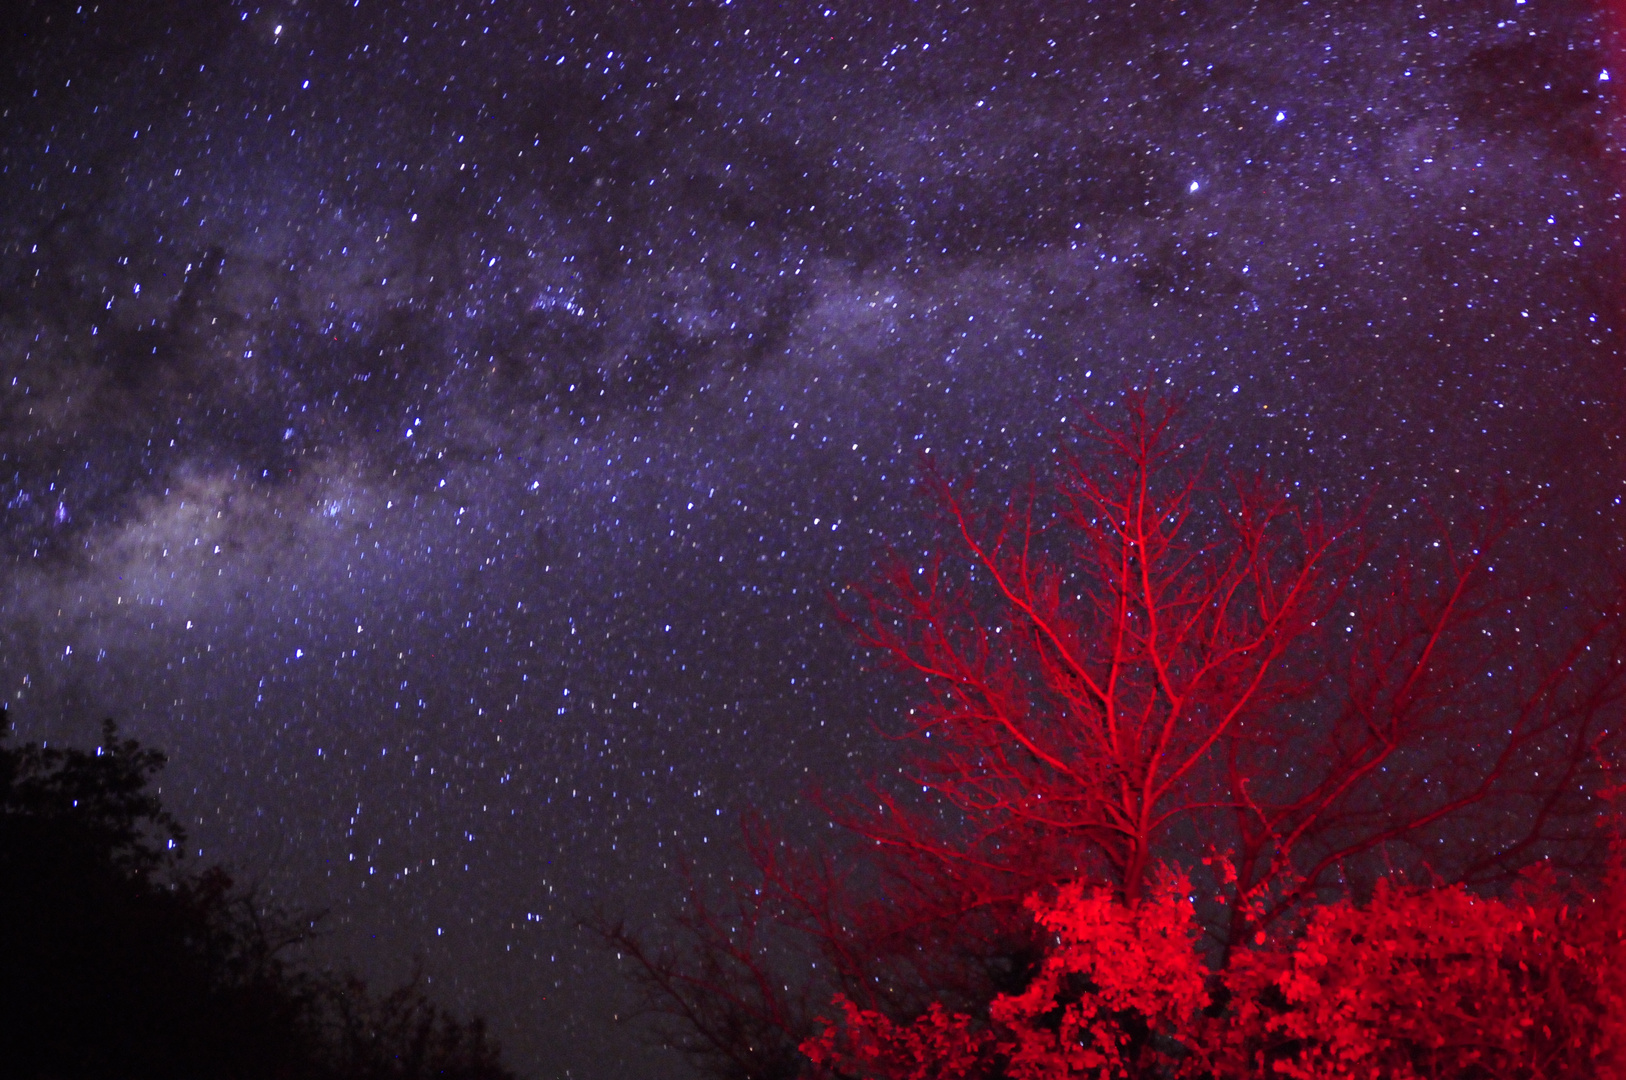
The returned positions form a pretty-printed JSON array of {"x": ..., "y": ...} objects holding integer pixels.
[{"x": 119, "y": 963}]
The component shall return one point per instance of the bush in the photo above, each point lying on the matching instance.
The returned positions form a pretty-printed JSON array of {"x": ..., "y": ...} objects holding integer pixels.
[{"x": 1417, "y": 983}]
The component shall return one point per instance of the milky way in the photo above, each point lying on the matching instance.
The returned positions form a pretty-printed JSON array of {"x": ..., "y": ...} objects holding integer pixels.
[{"x": 440, "y": 426}]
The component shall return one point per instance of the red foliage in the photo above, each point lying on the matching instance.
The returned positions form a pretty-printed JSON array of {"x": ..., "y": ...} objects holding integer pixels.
[
  {"x": 937, "y": 1046},
  {"x": 1415, "y": 985},
  {"x": 1120, "y": 982},
  {"x": 1120, "y": 988},
  {"x": 1438, "y": 982}
]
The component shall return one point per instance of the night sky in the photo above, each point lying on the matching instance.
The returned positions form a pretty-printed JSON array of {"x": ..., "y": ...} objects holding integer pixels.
[{"x": 440, "y": 426}]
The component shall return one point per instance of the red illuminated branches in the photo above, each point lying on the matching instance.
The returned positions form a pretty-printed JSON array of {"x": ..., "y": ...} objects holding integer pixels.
[
  {"x": 1079, "y": 673},
  {"x": 1134, "y": 664}
]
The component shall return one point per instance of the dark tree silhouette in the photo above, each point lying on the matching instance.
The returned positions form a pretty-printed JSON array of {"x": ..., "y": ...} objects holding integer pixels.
[
  {"x": 1132, "y": 666},
  {"x": 403, "y": 1035},
  {"x": 118, "y": 963}
]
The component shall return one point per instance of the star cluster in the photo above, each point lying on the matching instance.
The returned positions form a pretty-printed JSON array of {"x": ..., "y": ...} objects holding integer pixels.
[{"x": 440, "y": 426}]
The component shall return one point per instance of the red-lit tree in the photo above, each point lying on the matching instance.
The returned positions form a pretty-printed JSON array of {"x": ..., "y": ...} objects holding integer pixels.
[
  {"x": 1145, "y": 668},
  {"x": 1133, "y": 666}
]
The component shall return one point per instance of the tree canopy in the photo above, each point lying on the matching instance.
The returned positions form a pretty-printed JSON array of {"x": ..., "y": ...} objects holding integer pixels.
[{"x": 120, "y": 962}]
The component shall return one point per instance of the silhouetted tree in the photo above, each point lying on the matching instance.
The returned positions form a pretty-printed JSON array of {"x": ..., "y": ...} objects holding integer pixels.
[
  {"x": 401, "y": 1036},
  {"x": 117, "y": 963}
]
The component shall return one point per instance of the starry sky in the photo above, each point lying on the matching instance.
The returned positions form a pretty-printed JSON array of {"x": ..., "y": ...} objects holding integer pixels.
[{"x": 440, "y": 426}]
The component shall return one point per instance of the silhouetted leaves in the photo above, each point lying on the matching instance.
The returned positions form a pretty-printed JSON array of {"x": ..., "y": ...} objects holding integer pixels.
[{"x": 118, "y": 964}]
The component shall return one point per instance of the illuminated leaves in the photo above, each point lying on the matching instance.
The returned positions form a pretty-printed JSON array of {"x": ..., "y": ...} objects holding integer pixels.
[
  {"x": 1118, "y": 993},
  {"x": 937, "y": 1046},
  {"x": 1419, "y": 983},
  {"x": 1438, "y": 982},
  {"x": 1121, "y": 981}
]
